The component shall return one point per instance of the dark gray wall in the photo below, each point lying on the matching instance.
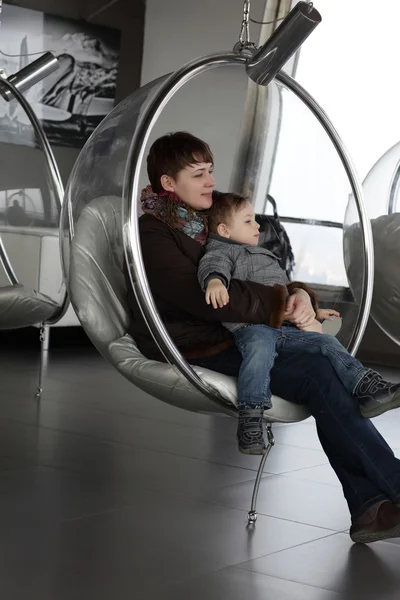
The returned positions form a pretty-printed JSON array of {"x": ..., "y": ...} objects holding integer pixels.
[{"x": 23, "y": 167}]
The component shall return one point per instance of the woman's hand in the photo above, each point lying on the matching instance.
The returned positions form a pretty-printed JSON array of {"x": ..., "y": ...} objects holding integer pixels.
[
  {"x": 315, "y": 326},
  {"x": 324, "y": 314},
  {"x": 299, "y": 310},
  {"x": 216, "y": 293}
]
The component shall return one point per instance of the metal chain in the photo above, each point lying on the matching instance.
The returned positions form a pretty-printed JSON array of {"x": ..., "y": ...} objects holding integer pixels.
[
  {"x": 244, "y": 37},
  {"x": 244, "y": 45}
]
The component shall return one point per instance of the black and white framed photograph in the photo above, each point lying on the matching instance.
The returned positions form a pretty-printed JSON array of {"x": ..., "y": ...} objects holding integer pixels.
[{"x": 71, "y": 101}]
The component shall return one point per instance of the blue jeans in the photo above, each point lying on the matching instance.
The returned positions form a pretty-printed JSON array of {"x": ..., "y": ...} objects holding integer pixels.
[
  {"x": 362, "y": 460},
  {"x": 259, "y": 346}
]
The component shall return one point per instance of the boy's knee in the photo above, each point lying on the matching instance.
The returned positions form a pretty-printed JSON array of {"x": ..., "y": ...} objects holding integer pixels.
[
  {"x": 257, "y": 335},
  {"x": 259, "y": 349}
]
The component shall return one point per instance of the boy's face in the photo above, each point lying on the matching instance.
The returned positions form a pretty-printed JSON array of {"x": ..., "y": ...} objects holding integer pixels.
[
  {"x": 193, "y": 185},
  {"x": 242, "y": 226}
]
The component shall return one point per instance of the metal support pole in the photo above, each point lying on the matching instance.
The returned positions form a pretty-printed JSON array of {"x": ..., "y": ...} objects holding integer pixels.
[
  {"x": 44, "y": 337},
  {"x": 252, "y": 514},
  {"x": 261, "y": 124}
]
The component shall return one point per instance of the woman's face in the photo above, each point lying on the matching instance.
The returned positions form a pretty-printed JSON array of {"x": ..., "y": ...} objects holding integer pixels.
[{"x": 193, "y": 185}]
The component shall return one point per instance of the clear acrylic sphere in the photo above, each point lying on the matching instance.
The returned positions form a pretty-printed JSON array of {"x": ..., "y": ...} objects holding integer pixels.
[
  {"x": 29, "y": 214},
  {"x": 99, "y": 170},
  {"x": 306, "y": 176},
  {"x": 200, "y": 107},
  {"x": 382, "y": 197}
]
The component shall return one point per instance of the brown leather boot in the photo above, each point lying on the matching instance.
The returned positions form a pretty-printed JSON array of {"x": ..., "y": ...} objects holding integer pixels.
[{"x": 383, "y": 524}]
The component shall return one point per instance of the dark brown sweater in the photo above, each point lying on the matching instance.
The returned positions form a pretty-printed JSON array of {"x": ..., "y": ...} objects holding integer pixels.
[{"x": 171, "y": 259}]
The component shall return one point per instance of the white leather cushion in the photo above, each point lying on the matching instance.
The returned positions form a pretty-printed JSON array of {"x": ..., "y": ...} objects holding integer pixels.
[
  {"x": 165, "y": 383},
  {"x": 35, "y": 256},
  {"x": 386, "y": 299},
  {"x": 22, "y": 307},
  {"x": 96, "y": 282}
]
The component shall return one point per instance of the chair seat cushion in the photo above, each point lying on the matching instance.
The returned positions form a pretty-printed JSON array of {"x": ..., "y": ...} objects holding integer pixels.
[
  {"x": 22, "y": 307},
  {"x": 165, "y": 383}
]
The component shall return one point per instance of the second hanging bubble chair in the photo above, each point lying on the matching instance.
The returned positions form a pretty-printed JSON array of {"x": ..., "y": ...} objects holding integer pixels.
[
  {"x": 100, "y": 221},
  {"x": 21, "y": 305},
  {"x": 381, "y": 189}
]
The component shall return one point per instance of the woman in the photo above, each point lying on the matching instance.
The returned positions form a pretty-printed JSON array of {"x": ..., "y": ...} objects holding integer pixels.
[{"x": 173, "y": 232}]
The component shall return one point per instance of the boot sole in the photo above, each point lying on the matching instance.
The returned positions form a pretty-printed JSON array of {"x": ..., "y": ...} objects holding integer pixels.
[
  {"x": 252, "y": 451},
  {"x": 368, "y": 538},
  {"x": 382, "y": 408}
]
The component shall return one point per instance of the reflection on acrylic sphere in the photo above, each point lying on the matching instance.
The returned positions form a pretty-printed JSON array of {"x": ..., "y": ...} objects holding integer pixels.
[{"x": 382, "y": 198}]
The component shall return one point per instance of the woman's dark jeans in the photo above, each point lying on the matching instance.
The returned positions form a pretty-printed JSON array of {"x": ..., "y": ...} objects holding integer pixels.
[{"x": 362, "y": 460}]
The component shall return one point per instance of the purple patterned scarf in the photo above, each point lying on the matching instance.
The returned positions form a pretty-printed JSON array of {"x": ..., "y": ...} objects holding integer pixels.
[{"x": 162, "y": 206}]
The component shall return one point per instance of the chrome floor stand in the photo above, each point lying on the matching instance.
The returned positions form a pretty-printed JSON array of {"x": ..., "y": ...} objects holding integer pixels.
[
  {"x": 44, "y": 350},
  {"x": 252, "y": 514}
]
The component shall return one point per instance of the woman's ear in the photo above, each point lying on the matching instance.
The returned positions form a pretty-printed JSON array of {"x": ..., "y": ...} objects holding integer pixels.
[
  {"x": 223, "y": 230},
  {"x": 167, "y": 183}
]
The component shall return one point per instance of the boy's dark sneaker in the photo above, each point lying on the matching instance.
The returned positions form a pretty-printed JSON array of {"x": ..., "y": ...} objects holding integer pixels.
[{"x": 250, "y": 431}]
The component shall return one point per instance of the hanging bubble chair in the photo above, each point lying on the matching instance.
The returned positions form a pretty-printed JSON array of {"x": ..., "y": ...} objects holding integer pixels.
[
  {"x": 382, "y": 197},
  {"x": 100, "y": 226},
  {"x": 29, "y": 223}
]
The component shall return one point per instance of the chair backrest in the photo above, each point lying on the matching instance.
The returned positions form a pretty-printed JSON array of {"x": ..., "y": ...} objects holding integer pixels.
[{"x": 96, "y": 281}]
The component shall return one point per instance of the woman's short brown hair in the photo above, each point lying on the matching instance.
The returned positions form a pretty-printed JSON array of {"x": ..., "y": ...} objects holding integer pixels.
[
  {"x": 223, "y": 208},
  {"x": 173, "y": 152}
]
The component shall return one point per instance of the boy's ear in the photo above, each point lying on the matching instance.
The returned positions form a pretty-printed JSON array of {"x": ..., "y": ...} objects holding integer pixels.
[
  {"x": 167, "y": 183},
  {"x": 223, "y": 230}
]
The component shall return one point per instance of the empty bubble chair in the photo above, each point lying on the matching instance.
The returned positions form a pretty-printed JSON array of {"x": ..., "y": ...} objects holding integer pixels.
[{"x": 23, "y": 230}]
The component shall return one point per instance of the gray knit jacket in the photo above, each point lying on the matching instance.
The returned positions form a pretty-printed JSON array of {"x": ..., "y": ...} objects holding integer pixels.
[{"x": 226, "y": 260}]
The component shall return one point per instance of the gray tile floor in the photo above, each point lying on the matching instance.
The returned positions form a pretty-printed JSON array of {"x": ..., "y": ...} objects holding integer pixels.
[{"x": 107, "y": 493}]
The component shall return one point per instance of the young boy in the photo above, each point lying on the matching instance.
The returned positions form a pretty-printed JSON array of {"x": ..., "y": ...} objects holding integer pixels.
[{"x": 232, "y": 252}]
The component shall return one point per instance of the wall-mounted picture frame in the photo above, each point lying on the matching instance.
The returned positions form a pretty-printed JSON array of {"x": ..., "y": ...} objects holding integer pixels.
[{"x": 73, "y": 100}]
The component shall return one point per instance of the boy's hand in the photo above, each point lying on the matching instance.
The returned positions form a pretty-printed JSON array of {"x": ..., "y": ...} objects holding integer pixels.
[
  {"x": 216, "y": 293},
  {"x": 327, "y": 314}
]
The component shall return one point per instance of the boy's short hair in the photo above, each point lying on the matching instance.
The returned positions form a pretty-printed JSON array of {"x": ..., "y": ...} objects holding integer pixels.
[
  {"x": 224, "y": 206},
  {"x": 173, "y": 152}
]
